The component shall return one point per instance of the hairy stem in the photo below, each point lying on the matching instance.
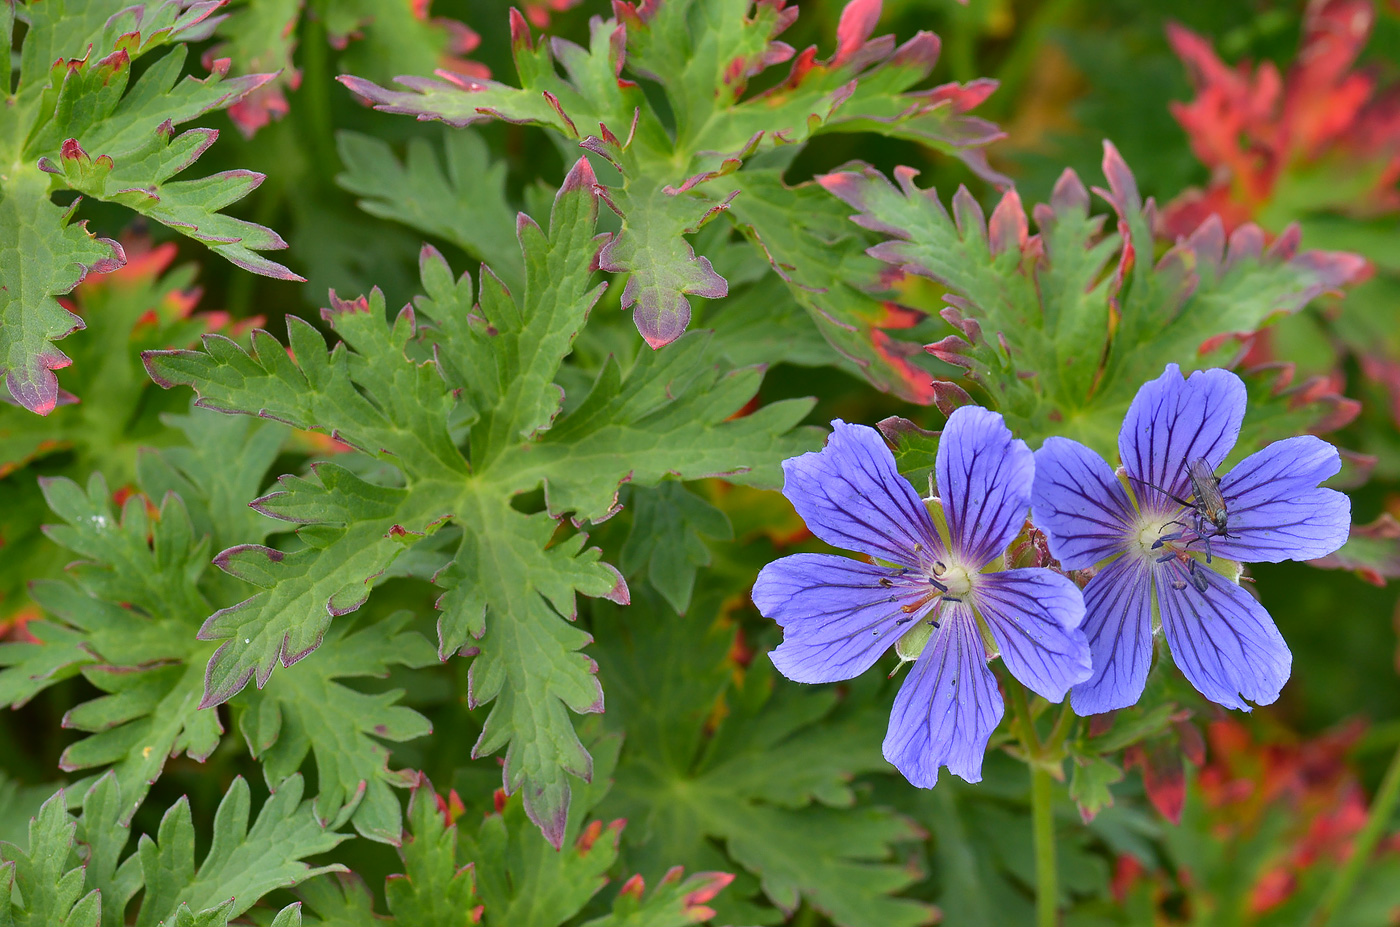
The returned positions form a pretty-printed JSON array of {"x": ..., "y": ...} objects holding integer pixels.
[{"x": 1382, "y": 810}]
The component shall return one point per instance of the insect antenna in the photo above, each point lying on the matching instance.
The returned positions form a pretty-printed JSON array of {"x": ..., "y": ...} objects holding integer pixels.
[{"x": 1173, "y": 496}]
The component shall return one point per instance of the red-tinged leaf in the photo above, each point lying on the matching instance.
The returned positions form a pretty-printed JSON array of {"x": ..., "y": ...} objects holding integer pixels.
[
  {"x": 1256, "y": 131},
  {"x": 1372, "y": 551},
  {"x": 1163, "y": 776},
  {"x": 483, "y": 360},
  {"x": 1039, "y": 325},
  {"x": 671, "y": 167},
  {"x": 88, "y": 131},
  {"x": 42, "y": 255},
  {"x": 662, "y": 266}
]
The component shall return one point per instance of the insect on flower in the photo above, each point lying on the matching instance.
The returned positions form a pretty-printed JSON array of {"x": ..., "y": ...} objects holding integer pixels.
[
  {"x": 934, "y": 588},
  {"x": 1208, "y": 514},
  {"x": 1268, "y": 508}
]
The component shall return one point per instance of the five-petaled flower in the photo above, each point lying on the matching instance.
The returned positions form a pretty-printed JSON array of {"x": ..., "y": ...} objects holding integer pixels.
[
  {"x": 939, "y": 590},
  {"x": 1162, "y": 559}
]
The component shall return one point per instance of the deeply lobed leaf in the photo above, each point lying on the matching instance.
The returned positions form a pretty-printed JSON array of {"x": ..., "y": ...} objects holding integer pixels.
[
  {"x": 677, "y": 172},
  {"x": 509, "y": 588},
  {"x": 1057, "y": 339},
  {"x": 73, "y": 123}
]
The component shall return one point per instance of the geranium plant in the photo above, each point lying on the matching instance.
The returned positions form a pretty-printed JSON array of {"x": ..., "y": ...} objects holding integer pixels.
[{"x": 682, "y": 474}]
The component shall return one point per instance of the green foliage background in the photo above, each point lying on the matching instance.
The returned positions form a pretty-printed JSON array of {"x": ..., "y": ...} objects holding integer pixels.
[{"x": 715, "y": 763}]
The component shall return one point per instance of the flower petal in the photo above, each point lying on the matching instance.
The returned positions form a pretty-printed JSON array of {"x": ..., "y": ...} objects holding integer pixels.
[
  {"x": 947, "y": 708},
  {"x": 851, "y": 495},
  {"x": 1276, "y": 509},
  {"x": 1035, "y": 616},
  {"x": 837, "y": 616},
  {"x": 1079, "y": 504},
  {"x": 984, "y": 480},
  {"x": 1173, "y": 421},
  {"x": 1118, "y": 625},
  {"x": 1223, "y": 641}
]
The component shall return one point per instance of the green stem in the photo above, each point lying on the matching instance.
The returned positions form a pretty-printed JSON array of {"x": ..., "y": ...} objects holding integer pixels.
[
  {"x": 1060, "y": 732},
  {"x": 1021, "y": 709},
  {"x": 1047, "y": 891},
  {"x": 1382, "y": 810}
]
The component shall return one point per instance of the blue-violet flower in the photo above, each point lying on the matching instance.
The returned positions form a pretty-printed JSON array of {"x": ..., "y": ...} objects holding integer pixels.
[
  {"x": 1168, "y": 538},
  {"x": 937, "y": 593}
]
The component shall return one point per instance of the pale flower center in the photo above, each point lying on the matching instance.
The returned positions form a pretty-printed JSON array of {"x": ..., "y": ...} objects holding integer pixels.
[
  {"x": 958, "y": 580},
  {"x": 1150, "y": 531}
]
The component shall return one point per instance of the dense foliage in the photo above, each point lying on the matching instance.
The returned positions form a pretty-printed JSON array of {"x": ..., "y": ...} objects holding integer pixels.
[{"x": 508, "y": 591}]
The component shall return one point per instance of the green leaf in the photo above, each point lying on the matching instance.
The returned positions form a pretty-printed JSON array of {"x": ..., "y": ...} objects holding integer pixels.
[
  {"x": 141, "y": 181},
  {"x": 311, "y": 711},
  {"x": 223, "y": 463},
  {"x": 1372, "y": 552},
  {"x": 47, "y": 873},
  {"x": 673, "y": 903},
  {"x": 915, "y": 450},
  {"x": 356, "y": 535},
  {"x": 127, "y": 613},
  {"x": 503, "y": 876},
  {"x": 242, "y": 864},
  {"x": 701, "y": 54},
  {"x": 339, "y": 900},
  {"x": 129, "y": 609},
  {"x": 434, "y": 888},
  {"x": 1059, "y": 345},
  {"x": 73, "y": 98},
  {"x": 509, "y": 589},
  {"x": 103, "y": 827},
  {"x": 465, "y": 204},
  {"x": 651, "y": 245},
  {"x": 19, "y": 803},
  {"x": 42, "y": 256},
  {"x": 669, "y": 527},
  {"x": 771, "y": 784},
  {"x": 521, "y": 880},
  {"x": 1089, "y": 786},
  {"x": 821, "y": 257}
]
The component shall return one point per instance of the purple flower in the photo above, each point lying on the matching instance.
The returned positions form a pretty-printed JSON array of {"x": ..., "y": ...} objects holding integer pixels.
[
  {"x": 937, "y": 593},
  {"x": 1169, "y": 536}
]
